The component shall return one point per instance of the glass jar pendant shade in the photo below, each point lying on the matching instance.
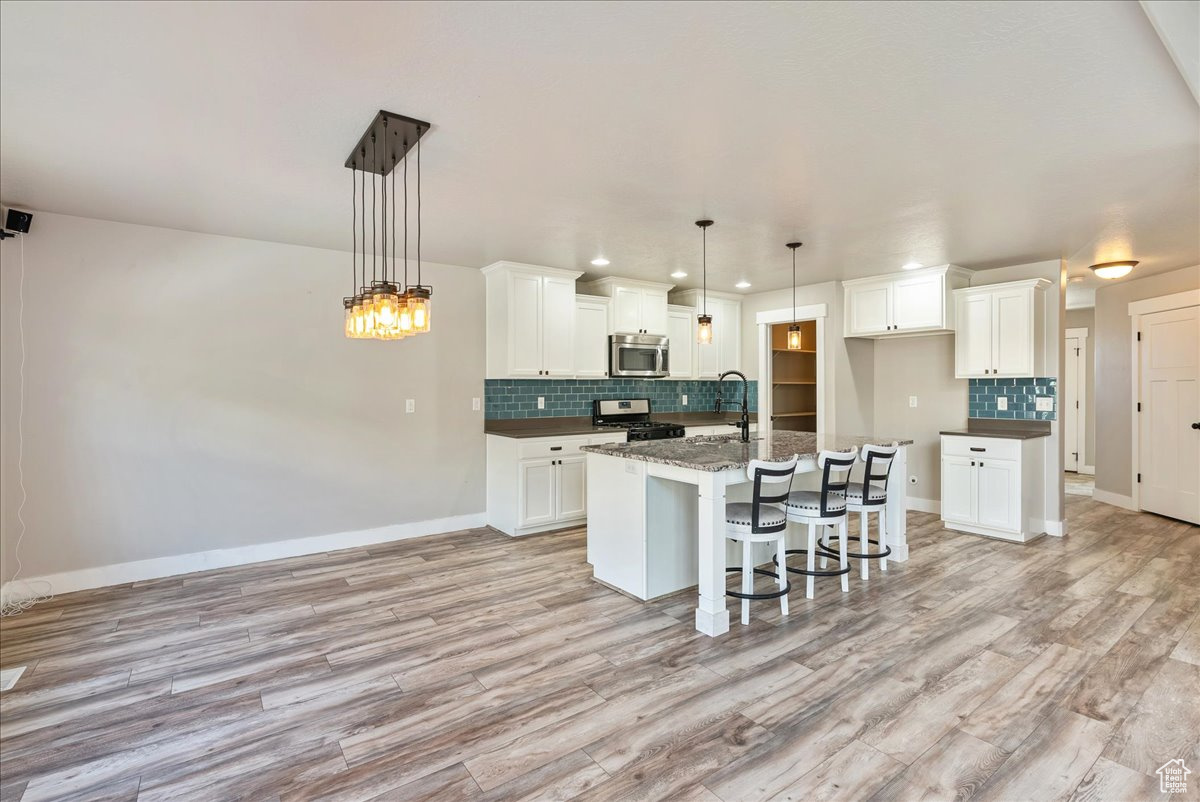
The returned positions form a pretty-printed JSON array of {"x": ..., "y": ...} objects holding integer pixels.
[
  {"x": 795, "y": 342},
  {"x": 704, "y": 319}
]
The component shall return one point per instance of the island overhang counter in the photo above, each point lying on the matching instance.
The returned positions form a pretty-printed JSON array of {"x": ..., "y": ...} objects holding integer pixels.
[{"x": 656, "y": 509}]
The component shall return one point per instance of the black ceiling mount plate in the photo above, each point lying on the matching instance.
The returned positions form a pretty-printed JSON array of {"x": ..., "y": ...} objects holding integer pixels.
[{"x": 390, "y": 142}]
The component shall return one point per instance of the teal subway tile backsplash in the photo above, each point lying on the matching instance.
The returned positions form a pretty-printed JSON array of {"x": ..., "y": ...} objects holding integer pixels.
[
  {"x": 1022, "y": 395},
  {"x": 517, "y": 398}
]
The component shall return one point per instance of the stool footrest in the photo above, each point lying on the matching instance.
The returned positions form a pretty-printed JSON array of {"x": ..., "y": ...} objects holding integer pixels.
[
  {"x": 837, "y": 572},
  {"x": 824, "y": 552},
  {"x": 758, "y": 596}
]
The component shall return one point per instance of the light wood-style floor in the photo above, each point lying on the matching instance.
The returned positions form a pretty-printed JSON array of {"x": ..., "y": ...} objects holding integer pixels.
[{"x": 473, "y": 666}]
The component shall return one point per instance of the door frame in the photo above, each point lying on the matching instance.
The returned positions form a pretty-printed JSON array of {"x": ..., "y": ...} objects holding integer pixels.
[
  {"x": 1148, "y": 306},
  {"x": 1081, "y": 462},
  {"x": 764, "y": 321}
]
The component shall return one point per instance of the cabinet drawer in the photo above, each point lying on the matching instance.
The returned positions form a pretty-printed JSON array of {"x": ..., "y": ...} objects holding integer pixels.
[
  {"x": 980, "y": 447},
  {"x": 556, "y": 447}
]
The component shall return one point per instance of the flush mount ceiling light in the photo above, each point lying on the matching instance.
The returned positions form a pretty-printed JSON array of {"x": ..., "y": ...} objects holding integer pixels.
[
  {"x": 743, "y": 285},
  {"x": 704, "y": 319},
  {"x": 912, "y": 266},
  {"x": 1074, "y": 279},
  {"x": 385, "y": 309},
  {"x": 794, "y": 340},
  {"x": 679, "y": 274},
  {"x": 1113, "y": 269},
  {"x": 600, "y": 261}
]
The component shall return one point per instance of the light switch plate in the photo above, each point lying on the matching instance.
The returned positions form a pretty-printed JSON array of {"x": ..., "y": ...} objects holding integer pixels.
[
  {"x": 410, "y": 405},
  {"x": 1002, "y": 402},
  {"x": 1045, "y": 404},
  {"x": 685, "y": 399},
  {"x": 912, "y": 400},
  {"x": 474, "y": 404},
  {"x": 541, "y": 402}
]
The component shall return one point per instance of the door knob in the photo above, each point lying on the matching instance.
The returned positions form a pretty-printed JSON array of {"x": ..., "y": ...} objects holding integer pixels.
[{"x": 1196, "y": 425}]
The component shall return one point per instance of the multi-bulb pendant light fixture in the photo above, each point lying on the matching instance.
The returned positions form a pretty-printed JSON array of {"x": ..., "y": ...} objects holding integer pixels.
[
  {"x": 385, "y": 309},
  {"x": 704, "y": 319},
  {"x": 794, "y": 340}
]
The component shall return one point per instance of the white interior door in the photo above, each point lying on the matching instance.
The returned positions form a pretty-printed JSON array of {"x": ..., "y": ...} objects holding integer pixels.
[
  {"x": 1169, "y": 422},
  {"x": 1070, "y": 404}
]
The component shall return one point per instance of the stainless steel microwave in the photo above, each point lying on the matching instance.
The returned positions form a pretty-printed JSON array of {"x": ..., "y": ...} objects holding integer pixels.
[{"x": 644, "y": 356}]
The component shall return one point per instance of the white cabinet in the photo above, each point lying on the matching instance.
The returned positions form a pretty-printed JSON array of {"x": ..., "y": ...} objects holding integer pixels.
[
  {"x": 1001, "y": 330},
  {"x": 916, "y": 302},
  {"x": 539, "y": 483},
  {"x": 591, "y": 337},
  {"x": 638, "y": 307},
  {"x": 725, "y": 351},
  {"x": 681, "y": 334},
  {"x": 530, "y": 321},
  {"x": 993, "y": 486}
]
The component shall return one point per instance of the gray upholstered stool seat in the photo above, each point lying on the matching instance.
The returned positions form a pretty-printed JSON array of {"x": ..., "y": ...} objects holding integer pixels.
[
  {"x": 854, "y": 493},
  {"x": 741, "y": 513},
  {"x": 810, "y": 501}
]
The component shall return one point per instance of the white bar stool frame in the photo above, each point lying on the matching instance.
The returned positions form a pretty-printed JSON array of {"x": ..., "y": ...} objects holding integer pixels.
[
  {"x": 824, "y": 507},
  {"x": 761, "y": 521},
  {"x": 867, "y": 498}
]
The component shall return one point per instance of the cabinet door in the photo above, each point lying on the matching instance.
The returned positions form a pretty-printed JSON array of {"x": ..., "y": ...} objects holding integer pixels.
[
  {"x": 868, "y": 309},
  {"x": 999, "y": 494},
  {"x": 572, "y": 488},
  {"x": 918, "y": 303},
  {"x": 654, "y": 312},
  {"x": 591, "y": 339},
  {"x": 1012, "y": 337},
  {"x": 729, "y": 347},
  {"x": 973, "y": 335},
  {"x": 681, "y": 334},
  {"x": 524, "y": 325},
  {"x": 558, "y": 326},
  {"x": 958, "y": 490},
  {"x": 627, "y": 310},
  {"x": 536, "y": 492}
]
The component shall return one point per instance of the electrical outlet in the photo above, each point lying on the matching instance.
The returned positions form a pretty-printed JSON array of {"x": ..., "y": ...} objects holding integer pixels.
[
  {"x": 1044, "y": 404},
  {"x": 541, "y": 402},
  {"x": 912, "y": 400},
  {"x": 474, "y": 404},
  {"x": 410, "y": 405},
  {"x": 685, "y": 399},
  {"x": 630, "y": 467},
  {"x": 1002, "y": 403}
]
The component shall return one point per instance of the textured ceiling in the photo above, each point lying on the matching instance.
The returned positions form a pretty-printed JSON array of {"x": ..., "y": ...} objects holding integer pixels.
[{"x": 976, "y": 133}]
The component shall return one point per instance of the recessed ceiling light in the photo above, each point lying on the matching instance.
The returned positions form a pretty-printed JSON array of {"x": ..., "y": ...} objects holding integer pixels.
[
  {"x": 679, "y": 274},
  {"x": 1113, "y": 269},
  {"x": 913, "y": 266},
  {"x": 741, "y": 285},
  {"x": 600, "y": 261}
]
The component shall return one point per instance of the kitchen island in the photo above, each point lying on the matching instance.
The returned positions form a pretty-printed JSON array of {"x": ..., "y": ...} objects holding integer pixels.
[{"x": 656, "y": 509}]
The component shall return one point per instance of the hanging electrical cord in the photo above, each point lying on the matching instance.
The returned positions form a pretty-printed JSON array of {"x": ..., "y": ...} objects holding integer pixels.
[
  {"x": 20, "y": 594},
  {"x": 795, "y": 341}
]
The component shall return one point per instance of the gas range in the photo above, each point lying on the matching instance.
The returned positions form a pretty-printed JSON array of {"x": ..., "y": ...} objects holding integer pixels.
[{"x": 632, "y": 415}]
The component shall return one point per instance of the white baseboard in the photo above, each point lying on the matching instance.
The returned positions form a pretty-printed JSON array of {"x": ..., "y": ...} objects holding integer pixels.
[
  {"x": 924, "y": 505},
  {"x": 1055, "y": 528},
  {"x": 160, "y": 567},
  {"x": 1115, "y": 499},
  {"x": 1088, "y": 470}
]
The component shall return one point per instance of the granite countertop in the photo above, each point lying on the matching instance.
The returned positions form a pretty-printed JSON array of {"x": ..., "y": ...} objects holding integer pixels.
[
  {"x": 568, "y": 426},
  {"x": 723, "y": 452}
]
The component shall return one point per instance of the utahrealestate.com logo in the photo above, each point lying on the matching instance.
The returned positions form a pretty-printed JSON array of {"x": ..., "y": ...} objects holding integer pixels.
[{"x": 1172, "y": 777}]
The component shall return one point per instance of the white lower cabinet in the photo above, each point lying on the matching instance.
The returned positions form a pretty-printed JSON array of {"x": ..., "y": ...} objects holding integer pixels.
[
  {"x": 539, "y": 483},
  {"x": 993, "y": 486}
]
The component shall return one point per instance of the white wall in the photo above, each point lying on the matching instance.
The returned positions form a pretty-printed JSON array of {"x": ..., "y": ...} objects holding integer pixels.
[
  {"x": 1114, "y": 368},
  {"x": 187, "y": 392}
]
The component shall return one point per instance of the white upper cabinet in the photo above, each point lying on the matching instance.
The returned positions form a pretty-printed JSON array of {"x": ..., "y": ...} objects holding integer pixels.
[
  {"x": 725, "y": 351},
  {"x": 638, "y": 307},
  {"x": 1001, "y": 330},
  {"x": 530, "y": 321},
  {"x": 681, "y": 334},
  {"x": 591, "y": 337},
  {"x": 916, "y": 302}
]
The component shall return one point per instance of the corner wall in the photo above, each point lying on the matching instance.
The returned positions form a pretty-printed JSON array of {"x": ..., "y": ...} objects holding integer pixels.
[{"x": 187, "y": 393}]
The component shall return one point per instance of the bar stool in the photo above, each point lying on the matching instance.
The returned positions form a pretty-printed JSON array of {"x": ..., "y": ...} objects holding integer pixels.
[
  {"x": 824, "y": 507},
  {"x": 868, "y": 497},
  {"x": 761, "y": 521}
]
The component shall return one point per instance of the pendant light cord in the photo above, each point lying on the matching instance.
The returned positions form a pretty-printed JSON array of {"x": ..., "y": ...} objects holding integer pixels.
[
  {"x": 373, "y": 163},
  {"x": 793, "y": 286},
  {"x": 383, "y": 250},
  {"x": 393, "y": 216},
  {"x": 406, "y": 215},
  {"x": 704, "y": 264},
  {"x": 362, "y": 190},
  {"x": 419, "y": 132},
  {"x": 354, "y": 229}
]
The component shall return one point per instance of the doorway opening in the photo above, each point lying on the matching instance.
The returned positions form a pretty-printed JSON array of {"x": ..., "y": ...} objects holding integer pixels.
[
  {"x": 1079, "y": 475},
  {"x": 794, "y": 388}
]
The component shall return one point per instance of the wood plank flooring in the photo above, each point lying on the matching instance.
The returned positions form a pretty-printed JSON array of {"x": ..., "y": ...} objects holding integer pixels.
[{"x": 475, "y": 666}]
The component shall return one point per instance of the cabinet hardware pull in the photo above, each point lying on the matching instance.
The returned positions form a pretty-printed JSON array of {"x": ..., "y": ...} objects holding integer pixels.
[
  {"x": 972, "y": 463},
  {"x": 556, "y": 448},
  {"x": 975, "y": 448}
]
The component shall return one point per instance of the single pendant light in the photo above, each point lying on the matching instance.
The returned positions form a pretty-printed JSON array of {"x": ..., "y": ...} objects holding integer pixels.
[
  {"x": 794, "y": 340},
  {"x": 704, "y": 320},
  {"x": 348, "y": 302},
  {"x": 419, "y": 297}
]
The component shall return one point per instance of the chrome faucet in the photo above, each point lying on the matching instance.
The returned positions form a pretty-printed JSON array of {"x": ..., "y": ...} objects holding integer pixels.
[{"x": 744, "y": 423}]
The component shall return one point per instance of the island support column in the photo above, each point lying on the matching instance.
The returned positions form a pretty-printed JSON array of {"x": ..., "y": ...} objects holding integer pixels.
[
  {"x": 897, "y": 506},
  {"x": 712, "y": 617}
]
